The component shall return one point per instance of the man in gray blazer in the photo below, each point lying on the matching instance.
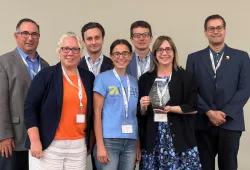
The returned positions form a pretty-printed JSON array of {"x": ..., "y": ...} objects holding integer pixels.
[
  {"x": 17, "y": 69},
  {"x": 141, "y": 37}
]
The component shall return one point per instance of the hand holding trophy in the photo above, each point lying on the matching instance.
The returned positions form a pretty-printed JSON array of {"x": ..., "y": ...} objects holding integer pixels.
[{"x": 159, "y": 95}]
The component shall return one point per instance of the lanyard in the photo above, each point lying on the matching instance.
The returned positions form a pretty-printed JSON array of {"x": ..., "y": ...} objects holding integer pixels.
[
  {"x": 146, "y": 68},
  {"x": 99, "y": 65},
  {"x": 79, "y": 87},
  {"x": 213, "y": 63},
  {"x": 31, "y": 70},
  {"x": 160, "y": 94},
  {"x": 125, "y": 99}
]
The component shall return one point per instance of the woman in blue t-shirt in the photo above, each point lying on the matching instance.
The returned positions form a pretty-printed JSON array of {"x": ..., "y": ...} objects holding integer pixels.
[{"x": 115, "y": 108}]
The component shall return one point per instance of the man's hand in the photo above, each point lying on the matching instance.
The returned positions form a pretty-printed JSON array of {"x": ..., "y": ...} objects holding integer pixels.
[
  {"x": 216, "y": 117},
  {"x": 6, "y": 147}
]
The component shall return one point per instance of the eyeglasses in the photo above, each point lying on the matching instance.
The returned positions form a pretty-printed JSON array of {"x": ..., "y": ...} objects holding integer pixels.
[
  {"x": 125, "y": 54},
  {"x": 67, "y": 50},
  {"x": 144, "y": 35},
  {"x": 167, "y": 49},
  {"x": 26, "y": 34},
  {"x": 218, "y": 28}
]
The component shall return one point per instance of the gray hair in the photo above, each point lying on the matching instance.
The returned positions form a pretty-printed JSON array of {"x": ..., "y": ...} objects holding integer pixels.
[{"x": 73, "y": 35}]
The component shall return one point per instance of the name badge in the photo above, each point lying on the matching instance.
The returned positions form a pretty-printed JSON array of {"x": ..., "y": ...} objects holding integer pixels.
[
  {"x": 127, "y": 129},
  {"x": 160, "y": 79},
  {"x": 159, "y": 117},
  {"x": 80, "y": 118}
]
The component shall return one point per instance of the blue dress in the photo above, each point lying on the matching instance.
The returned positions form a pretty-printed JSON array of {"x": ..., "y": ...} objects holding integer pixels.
[{"x": 164, "y": 156}]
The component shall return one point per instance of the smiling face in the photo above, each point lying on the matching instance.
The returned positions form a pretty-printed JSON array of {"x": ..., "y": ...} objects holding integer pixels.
[
  {"x": 215, "y": 32},
  {"x": 69, "y": 52},
  {"x": 121, "y": 56},
  {"x": 28, "y": 44},
  {"x": 165, "y": 54},
  {"x": 93, "y": 40},
  {"x": 141, "y": 38}
]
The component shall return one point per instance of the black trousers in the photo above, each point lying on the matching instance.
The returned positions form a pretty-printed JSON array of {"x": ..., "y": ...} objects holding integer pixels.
[
  {"x": 219, "y": 141},
  {"x": 18, "y": 161}
]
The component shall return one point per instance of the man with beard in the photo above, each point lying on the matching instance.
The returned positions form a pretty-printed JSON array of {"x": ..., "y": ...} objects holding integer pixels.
[
  {"x": 141, "y": 37},
  {"x": 17, "y": 70},
  {"x": 93, "y": 37},
  {"x": 222, "y": 74}
]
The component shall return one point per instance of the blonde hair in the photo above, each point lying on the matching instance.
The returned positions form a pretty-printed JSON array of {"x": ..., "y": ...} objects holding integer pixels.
[
  {"x": 157, "y": 45},
  {"x": 73, "y": 35}
]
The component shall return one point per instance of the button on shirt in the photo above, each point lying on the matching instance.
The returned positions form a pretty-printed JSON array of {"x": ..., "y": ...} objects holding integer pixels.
[
  {"x": 33, "y": 64},
  {"x": 217, "y": 56},
  {"x": 94, "y": 65},
  {"x": 142, "y": 62}
]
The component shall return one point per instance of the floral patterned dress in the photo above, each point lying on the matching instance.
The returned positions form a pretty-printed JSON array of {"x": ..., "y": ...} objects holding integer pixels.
[{"x": 164, "y": 157}]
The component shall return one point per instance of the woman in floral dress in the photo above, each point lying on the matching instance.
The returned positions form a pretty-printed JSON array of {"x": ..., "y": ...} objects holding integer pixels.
[{"x": 168, "y": 100}]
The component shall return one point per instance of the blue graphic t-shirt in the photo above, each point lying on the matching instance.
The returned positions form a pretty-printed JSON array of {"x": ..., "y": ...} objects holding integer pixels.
[{"x": 113, "y": 113}]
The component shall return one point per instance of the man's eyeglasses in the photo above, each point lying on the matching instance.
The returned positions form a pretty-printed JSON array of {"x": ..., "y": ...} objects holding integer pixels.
[
  {"x": 218, "y": 28},
  {"x": 67, "y": 50},
  {"x": 26, "y": 34},
  {"x": 167, "y": 49},
  {"x": 144, "y": 35},
  {"x": 125, "y": 54}
]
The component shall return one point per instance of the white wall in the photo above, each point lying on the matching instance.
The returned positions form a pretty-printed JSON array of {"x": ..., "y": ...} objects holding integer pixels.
[{"x": 182, "y": 20}]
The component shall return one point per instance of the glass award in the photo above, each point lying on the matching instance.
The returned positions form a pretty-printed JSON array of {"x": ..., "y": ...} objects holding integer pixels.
[{"x": 155, "y": 99}]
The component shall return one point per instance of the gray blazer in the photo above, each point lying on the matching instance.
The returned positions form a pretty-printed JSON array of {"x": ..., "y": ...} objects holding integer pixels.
[
  {"x": 132, "y": 67},
  {"x": 14, "y": 84}
]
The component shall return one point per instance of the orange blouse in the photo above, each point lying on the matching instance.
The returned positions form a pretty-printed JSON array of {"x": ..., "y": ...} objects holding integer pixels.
[{"x": 68, "y": 128}]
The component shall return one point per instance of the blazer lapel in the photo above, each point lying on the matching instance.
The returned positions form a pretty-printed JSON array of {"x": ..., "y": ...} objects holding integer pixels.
[
  {"x": 21, "y": 66},
  {"x": 85, "y": 83},
  {"x": 207, "y": 62},
  {"x": 58, "y": 83},
  {"x": 43, "y": 63},
  {"x": 151, "y": 60},
  {"x": 105, "y": 65},
  {"x": 224, "y": 63},
  {"x": 133, "y": 66},
  {"x": 151, "y": 81},
  {"x": 83, "y": 63}
]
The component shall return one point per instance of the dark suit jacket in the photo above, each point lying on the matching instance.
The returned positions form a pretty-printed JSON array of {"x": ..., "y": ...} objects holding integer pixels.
[
  {"x": 14, "y": 84},
  {"x": 107, "y": 64},
  {"x": 230, "y": 90},
  {"x": 132, "y": 67},
  {"x": 43, "y": 104},
  {"x": 183, "y": 93}
]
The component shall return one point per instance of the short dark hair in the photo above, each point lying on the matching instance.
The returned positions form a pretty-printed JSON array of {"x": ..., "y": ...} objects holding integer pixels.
[
  {"x": 26, "y": 20},
  {"x": 142, "y": 24},
  {"x": 91, "y": 25},
  {"x": 120, "y": 41},
  {"x": 212, "y": 17}
]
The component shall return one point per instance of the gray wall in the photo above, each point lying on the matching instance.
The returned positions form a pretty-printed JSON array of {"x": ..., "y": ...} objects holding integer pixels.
[{"x": 182, "y": 20}]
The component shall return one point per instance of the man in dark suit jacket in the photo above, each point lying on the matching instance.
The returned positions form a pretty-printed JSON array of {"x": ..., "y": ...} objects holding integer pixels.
[
  {"x": 141, "y": 37},
  {"x": 223, "y": 78},
  {"x": 93, "y": 35},
  {"x": 17, "y": 69}
]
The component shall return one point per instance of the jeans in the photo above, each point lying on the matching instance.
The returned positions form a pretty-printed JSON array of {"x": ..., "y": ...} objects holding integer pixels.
[{"x": 122, "y": 153}]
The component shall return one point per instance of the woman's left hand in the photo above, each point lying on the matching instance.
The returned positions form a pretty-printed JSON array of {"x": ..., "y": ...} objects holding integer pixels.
[{"x": 165, "y": 110}]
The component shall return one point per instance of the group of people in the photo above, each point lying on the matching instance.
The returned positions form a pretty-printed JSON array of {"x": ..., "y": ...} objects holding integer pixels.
[{"x": 133, "y": 107}]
